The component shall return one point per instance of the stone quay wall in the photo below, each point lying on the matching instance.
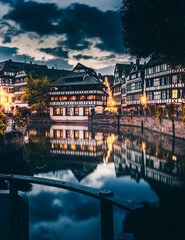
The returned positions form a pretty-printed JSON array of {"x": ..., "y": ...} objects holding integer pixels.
[{"x": 165, "y": 126}]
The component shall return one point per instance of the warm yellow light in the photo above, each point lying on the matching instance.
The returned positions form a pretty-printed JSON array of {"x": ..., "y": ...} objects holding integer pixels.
[
  {"x": 110, "y": 141},
  {"x": 3, "y": 100},
  {"x": 143, "y": 99},
  {"x": 2, "y": 93},
  {"x": 110, "y": 101},
  {"x": 73, "y": 147},
  {"x": 174, "y": 158},
  {"x": 143, "y": 146}
]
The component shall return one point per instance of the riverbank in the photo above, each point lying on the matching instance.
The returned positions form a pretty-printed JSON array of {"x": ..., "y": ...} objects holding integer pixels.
[{"x": 165, "y": 126}]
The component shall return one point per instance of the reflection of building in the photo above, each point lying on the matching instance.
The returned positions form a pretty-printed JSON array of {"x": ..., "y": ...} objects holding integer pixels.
[
  {"x": 77, "y": 95},
  {"x": 75, "y": 140},
  {"x": 132, "y": 158},
  {"x": 76, "y": 148}
]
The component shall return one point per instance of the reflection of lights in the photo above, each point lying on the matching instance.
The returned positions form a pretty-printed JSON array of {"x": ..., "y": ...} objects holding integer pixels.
[
  {"x": 82, "y": 147},
  {"x": 110, "y": 141},
  {"x": 174, "y": 158},
  {"x": 110, "y": 101}
]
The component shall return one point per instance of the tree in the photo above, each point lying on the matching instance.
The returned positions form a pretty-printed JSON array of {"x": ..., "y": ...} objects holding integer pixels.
[
  {"x": 2, "y": 123},
  {"x": 155, "y": 27},
  {"x": 36, "y": 93},
  {"x": 22, "y": 117}
]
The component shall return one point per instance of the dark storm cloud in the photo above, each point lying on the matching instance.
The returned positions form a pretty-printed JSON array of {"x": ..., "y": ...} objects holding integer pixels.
[
  {"x": 80, "y": 56},
  {"x": 7, "y": 52},
  {"x": 78, "y": 22},
  {"x": 56, "y": 52}
]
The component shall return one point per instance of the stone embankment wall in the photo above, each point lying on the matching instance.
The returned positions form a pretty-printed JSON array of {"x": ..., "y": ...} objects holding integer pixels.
[{"x": 164, "y": 126}]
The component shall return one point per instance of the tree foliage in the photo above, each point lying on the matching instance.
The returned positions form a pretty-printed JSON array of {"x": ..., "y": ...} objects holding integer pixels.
[
  {"x": 155, "y": 27},
  {"x": 2, "y": 123},
  {"x": 36, "y": 93},
  {"x": 22, "y": 117}
]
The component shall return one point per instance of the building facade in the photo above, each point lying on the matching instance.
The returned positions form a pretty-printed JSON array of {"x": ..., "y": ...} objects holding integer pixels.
[
  {"x": 163, "y": 84},
  {"x": 76, "y": 96},
  {"x": 120, "y": 72},
  {"x": 13, "y": 77},
  {"x": 135, "y": 85}
]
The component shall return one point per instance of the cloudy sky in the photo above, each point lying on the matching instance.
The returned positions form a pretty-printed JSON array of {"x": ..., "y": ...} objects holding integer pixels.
[{"x": 62, "y": 32}]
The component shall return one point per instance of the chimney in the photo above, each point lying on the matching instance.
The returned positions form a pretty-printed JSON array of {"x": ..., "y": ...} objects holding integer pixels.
[
  {"x": 137, "y": 61},
  {"x": 30, "y": 62},
  {"x": 10, "y": 60},
  {"x": 52, "y": 67},
  {"x": 131, "y": 63}
]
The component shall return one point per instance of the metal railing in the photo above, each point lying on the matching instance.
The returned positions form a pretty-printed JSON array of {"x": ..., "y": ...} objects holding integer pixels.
[{"x": 107, "y": 200}]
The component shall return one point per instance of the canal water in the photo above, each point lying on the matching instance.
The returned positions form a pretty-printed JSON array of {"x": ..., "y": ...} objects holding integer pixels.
[{"x": 147, "y": 168}]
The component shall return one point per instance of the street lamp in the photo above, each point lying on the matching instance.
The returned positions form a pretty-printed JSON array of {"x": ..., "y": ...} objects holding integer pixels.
[{"x": 143, "y": 100}]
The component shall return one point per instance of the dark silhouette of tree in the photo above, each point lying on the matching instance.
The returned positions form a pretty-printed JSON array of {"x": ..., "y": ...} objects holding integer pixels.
[{"x": 155, "y": 28}]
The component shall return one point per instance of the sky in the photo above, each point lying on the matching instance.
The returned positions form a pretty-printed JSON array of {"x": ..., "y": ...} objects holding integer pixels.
[{"x": 61, "y": 33}]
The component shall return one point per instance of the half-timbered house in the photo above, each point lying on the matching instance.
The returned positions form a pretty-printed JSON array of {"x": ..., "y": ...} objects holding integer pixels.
[
  {"x": 163, "y": 84},
  {"x": 76, "y": 96}
]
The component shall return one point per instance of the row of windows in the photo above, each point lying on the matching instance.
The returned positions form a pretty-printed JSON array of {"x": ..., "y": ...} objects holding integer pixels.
[
  {"x": 162, "y": 81},
  {"x": 70, "y": 111},
  {"x": 76, "y": 98},
  {"x": 165, "y": 94},
  {"x": 134, "y": 86},
  {"x": 60, "y": 134},
  {"x": 74, "y": 147},
  {"x": 116, "y": 89},
  {"x": 134, "y": 97},
  {"x": 159, "y": 68}
]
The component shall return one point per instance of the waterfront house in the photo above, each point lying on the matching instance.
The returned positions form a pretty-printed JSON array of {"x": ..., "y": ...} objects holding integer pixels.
[
  {"x": 163, "y": 84},
  {"x": 121, "y": 70},
  {"x": 135, "y": 85},
  {"x": 76, "y": 96}
]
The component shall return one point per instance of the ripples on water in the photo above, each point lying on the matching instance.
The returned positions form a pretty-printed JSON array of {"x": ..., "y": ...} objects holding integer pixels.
[{"x": 146, "y": 168}]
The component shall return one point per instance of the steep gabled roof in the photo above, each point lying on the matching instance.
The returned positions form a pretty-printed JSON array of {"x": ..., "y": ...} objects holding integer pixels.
[
  {"x": 81, "y": 78},
  {"x": 88, "y": 70},
  {"x": 123, "y": 68}
]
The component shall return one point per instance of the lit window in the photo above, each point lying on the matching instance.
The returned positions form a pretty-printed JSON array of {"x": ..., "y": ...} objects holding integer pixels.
[
  {"x": 90, "y": 148},
  {"x": 86, "y": 111},
  {"x": 56, "y": 98},
  {"x": 65, "y": 146},
  {"x": 83, "y": 148},
  {"x": 82, "y": 97},
  {"x": 63, "y": 98},
  {"x": 73, "y": 147},
  {"x": 68, "y": 134},
  {"x": 86, "y": 135},
  {"x": 72, "y": 98},
  {"x": 91, "y": 97},
  {"x": 52, "y": 145},
  {"x": 52, "y": 98},
  {"x": 76, "y": 111},
  {"x": 77, "y": 134},
  {"x": 174, "y": 94},
  {"x": 58, "y": 133},
  {"x": 68, "y": 111}
]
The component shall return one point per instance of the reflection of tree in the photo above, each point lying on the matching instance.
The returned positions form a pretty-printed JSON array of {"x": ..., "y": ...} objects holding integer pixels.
[
  {"x": 38, "y": 151},
  {"x": 162, "y": 222}
]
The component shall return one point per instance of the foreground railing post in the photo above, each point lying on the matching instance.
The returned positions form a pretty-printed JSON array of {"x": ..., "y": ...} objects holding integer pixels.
[
  {"x": 106, "y": 209},
  {"x": 14, "y": 213}
]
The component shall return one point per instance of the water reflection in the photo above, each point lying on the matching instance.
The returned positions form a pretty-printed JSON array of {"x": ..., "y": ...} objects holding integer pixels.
[{"x": 145, "y": 168}]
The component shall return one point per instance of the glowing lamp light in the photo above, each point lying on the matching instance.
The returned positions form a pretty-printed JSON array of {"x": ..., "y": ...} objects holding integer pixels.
[
  {"x": 2, "y": 93},
  {"x": 3, "y": 100},
  {"x": 143, "y": 99},
  {"x": 143, "y": 146}
]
